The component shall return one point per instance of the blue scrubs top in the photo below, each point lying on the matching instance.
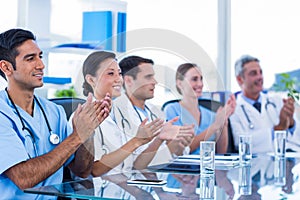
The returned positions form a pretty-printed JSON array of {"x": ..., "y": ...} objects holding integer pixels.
[
  {"x": 16, "y": 145},
  {"x": 185, "y": 118}
]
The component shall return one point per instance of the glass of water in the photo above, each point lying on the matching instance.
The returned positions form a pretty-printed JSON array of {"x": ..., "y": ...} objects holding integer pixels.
[
  {"x": 279, "y": 143},
  {"x": 245, "y": 180},
  {"x": 207, "y": 169},
  {"x": 207, "y": 157},
  {"x": 245, "y": 149},
  {"x": 280, "y": 171}
]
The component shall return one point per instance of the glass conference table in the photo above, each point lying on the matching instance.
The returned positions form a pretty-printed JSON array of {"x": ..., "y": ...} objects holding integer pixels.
[{"x": 228, "y": 179}]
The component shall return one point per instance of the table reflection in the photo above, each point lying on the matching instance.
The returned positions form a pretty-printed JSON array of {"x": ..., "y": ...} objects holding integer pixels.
[
  {"x": 265, "y": 175},
  {"x": 254, "y": 181}
]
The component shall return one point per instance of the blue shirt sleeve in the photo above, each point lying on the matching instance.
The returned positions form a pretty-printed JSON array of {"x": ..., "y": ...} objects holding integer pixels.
[
  {"x": 12, "y": 148},
  {"x": 173, "y": 110},
  {"x": 293, "y": 128}
]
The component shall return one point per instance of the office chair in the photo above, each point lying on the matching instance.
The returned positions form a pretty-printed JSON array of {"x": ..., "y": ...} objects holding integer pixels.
[
  {"x": 213, "y": 106},
  {"x": 68, "y": 103},
  {"x": 207, "y": 103}
]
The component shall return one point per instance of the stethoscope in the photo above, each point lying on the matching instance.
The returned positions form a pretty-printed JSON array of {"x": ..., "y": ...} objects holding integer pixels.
[
  {"x": 124, "y": 122},
  {"x": 104, "y": 147},
  {"x": 250, "y": 124},
  {"x": 53, "y": 138},
  {"x": 152, "y": 115}
]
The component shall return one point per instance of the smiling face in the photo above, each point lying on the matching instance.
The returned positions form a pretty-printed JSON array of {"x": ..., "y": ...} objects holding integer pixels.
[
  {"x": 108, "y": 79},
  {"x": 29, "y": 67},
  {"x": 192, "y": 84},
  {"x": 251, "y": 80},
  {"x": 142, "y": 88}
]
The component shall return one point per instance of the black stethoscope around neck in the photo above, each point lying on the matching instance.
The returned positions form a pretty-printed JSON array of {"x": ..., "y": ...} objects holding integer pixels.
[{"x": 53, "y": 138}]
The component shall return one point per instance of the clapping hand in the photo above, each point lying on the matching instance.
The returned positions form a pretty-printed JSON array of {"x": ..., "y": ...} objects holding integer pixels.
[
  {"x": 286, "y": 114},
  {"x": 178, "y": 137},
  {"x": 146, "y": 132},
  {"x": 88, "y": 116}
]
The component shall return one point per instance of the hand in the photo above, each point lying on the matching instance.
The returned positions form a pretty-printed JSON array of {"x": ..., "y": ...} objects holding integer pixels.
[
  {"x": 286, "y": 114},
  {"x": 220, "y": 119},
  {"x": 172, "y": 132},
  {"x": 169, "y": 131},
  {"x": 188, "y": 182},
  {"x": 223, "y": 182},
  {"x": 92, "y": 114},
  {"x": 146, "y": 132},
  {"x": 103, "y": 108},
  {"x": 230, "y": 106},
  {"x": 182, "y": 140}
]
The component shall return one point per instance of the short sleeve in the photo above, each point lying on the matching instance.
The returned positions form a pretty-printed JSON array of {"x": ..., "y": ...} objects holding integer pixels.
[
  {"x": 12, "y": 149},
  {"x": 172, "y": 110},
  {"x": 99, "y": 151}
]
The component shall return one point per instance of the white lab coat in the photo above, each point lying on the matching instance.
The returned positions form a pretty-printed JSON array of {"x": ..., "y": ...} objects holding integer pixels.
[
  {"x": 263, "y": 122},
  {"x": 130, "y": 115},
  {"x": 114, "y": 138}
]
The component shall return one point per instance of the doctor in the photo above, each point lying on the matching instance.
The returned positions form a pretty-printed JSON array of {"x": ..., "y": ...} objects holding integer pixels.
[
  {"x": 258, "y": 113},
  {"x": 139, "y": 84},
  {"x": 113, "y": 149},
  {"x": 36, "y": 140}
]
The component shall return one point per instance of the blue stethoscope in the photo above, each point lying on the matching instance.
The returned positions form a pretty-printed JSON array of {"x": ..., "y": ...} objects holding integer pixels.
[
  {"x": 267, "y": 106},
  {"x": 53, "y": 138}
]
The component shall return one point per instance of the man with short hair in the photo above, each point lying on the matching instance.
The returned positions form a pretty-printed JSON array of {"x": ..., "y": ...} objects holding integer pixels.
[
  {"x": 36, "y": 140},
  {"x": 258, "y": 113},
  {"x": 139, "y": 84}
]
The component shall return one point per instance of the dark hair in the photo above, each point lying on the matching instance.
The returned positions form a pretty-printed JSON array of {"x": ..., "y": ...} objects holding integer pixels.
[
  {"x": 5, "y": 55},
  {"x": 129, "y": 65},
  {"x": 91, "y": 65},
  {"x": 12, "y": 39},
  {"x": 181, "y": 71},
  {"x": 239, "y": 64}
]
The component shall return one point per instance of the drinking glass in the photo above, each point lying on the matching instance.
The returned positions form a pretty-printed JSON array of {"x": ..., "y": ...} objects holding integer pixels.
[
  {"x": 245, "y": 149},
  {"x": 207, "y": 157},
  {"x": 280, "y": 171},
  {"x": 245, "y": 180},
  {"x": 207, "y": 169},
  {"x": 279, "y": 143}
]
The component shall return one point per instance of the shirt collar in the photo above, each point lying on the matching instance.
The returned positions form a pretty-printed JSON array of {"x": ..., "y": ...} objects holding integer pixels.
[{"x": 251, "y": 101}]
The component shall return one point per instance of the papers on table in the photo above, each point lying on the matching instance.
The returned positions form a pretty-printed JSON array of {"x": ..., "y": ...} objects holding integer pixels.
[{"x": 220, "y": 159}]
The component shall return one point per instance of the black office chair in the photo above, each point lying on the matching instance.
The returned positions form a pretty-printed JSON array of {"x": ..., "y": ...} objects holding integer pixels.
[
  {"x": 213, "y": 106},
  {"x": 207, "y": 103},
  {"x": 69, "y": 103}
]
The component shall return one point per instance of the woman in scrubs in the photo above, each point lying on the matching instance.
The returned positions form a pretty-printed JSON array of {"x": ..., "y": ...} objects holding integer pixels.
[
  {"x": 208, "y": 125},
  {"x": 113, "y": 150}
]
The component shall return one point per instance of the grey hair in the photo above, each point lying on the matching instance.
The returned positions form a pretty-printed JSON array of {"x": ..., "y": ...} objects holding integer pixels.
[{"x": 239, "y": 64}]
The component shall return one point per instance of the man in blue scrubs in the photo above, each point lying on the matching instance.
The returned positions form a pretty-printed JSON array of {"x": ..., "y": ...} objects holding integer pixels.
[{"x": 36, "y": 140}]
